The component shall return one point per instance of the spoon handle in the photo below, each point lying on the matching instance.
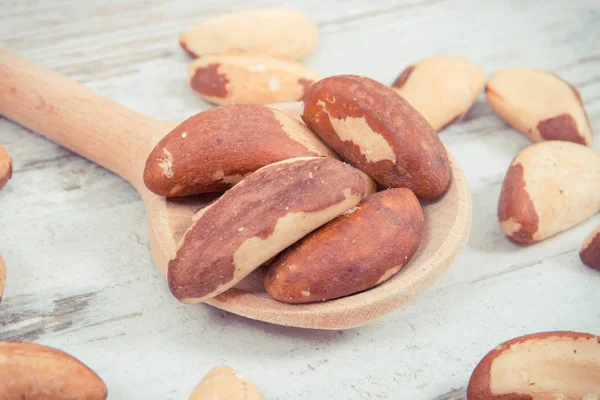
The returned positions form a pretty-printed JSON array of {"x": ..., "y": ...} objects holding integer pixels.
[{"x": 74, "y": 116}]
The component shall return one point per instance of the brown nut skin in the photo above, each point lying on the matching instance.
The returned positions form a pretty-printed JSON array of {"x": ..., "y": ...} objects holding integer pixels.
[
  {"x": 2, "y": 276},
  {"x": 30, "y": 371},
  {"x": 590, "y": 250},
  {"x": 358, "y": 250},
  {"x": 225, "y": 383},
  {"x": 374, "y": 128},
  {"x": 539, "y": 104},
  {"x": 5, "y": 167},
  {"x": 540, "y": 366},
  {"x": 549, "y": 187},
  {"x": 255, "y": 220},
  {"x": 213, "y": 150},
  {"x": 243, "y": 77}
]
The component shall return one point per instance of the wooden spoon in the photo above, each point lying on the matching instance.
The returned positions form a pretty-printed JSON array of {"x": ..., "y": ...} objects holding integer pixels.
[{"x": 120, "y": 139}]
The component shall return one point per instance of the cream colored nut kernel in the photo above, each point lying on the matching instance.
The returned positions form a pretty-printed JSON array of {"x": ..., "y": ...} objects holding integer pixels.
[
  {"x": 292, "y": 109},
  {"x": 590, "y": 250},
  {"x": 30, "y": 371},
  {"x": 371, "y": 185},
  {"x": 442, "y": 89},
  {"x": 5, "y": 167},
  {"x": 539, "y": 104},
  {"x": 225, "y": 383},
  {"x": 549, "y": 188},
  {"x": 542, "y": 366},
  {"x": 249, "y": 77},
  {"x": 281, "y": 32},
  {"x": 255, "y": 220},
  {"x": 2, "y": 276}
]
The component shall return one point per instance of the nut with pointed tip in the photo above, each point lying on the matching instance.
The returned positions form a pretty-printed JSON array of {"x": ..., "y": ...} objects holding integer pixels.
[
  {"x": 590, "y": 250},
  {"x": 281, "y": 32},
  {"x": 215, "y": 149},
  {"x": 372, "y": 127},
  {"x": 550, "y": 187},
  {"x": 34, "y": 372},
  {"x": 541, "y": 366},
  {"x": 5, "y": 167},
  {"x": 244, "y": 77},
  {"x": 540, "y": 105},
  {"x": 225, "y": 383},
  {"x": 259, "y": 217},
  {"x": 356, "y": 251},
  {"x": 442, "y": 89}
]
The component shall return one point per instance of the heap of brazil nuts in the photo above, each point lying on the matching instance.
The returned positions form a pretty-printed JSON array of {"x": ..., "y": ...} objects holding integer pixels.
[
  {"x": 305, "y": 186},
  {"x": 256, "y": 219}
]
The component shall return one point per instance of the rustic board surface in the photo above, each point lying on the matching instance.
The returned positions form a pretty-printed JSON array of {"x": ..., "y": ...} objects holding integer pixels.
[{"x": 74, "y": 236}]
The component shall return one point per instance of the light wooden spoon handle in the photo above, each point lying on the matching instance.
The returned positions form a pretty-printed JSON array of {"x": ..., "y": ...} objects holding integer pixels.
[{"x": 74, "y": 116}]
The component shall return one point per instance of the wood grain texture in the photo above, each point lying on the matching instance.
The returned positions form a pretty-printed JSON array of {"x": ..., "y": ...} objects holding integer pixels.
[{"x": 71, "y": 228}]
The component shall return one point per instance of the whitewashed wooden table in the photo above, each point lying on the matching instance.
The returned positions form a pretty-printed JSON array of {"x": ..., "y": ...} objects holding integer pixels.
[{"x": 80, "y": 275}]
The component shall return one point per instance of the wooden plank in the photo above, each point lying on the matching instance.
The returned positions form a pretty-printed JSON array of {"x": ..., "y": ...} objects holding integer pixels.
[{"x": 75, "y": 242}]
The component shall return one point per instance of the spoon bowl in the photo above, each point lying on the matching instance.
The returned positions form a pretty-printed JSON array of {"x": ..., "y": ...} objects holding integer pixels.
[{"x": 120, "y": 140}]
